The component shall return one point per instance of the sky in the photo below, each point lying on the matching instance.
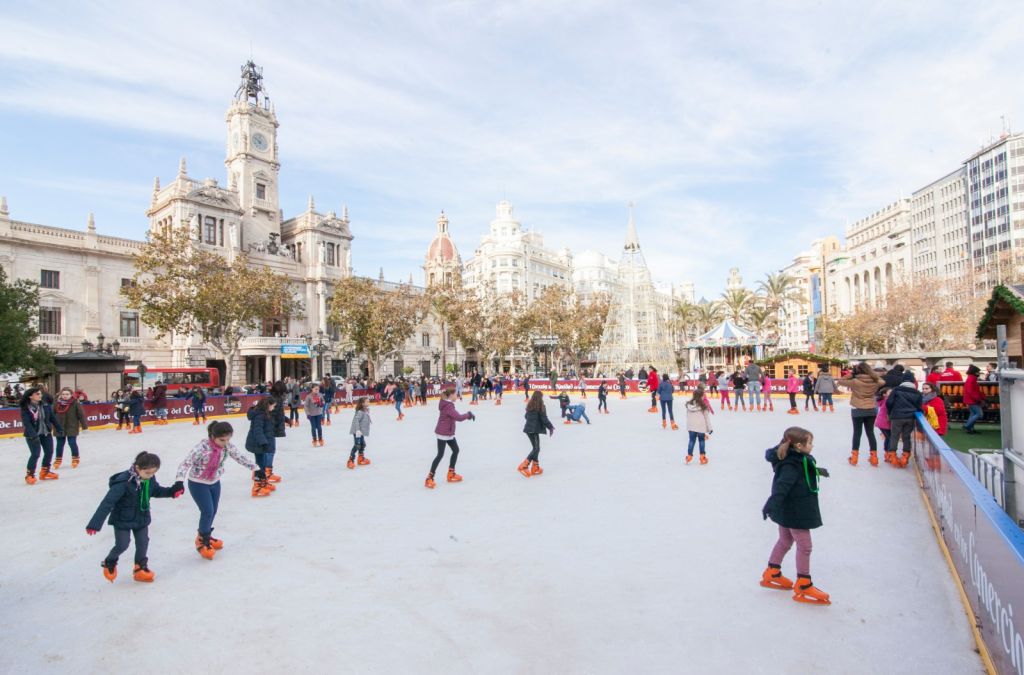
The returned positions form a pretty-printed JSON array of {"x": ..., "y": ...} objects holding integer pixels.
[{"x": 741, "y": 130}]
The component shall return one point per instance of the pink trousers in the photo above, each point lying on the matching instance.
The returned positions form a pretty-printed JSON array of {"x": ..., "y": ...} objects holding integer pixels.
[{"x": 787, "y": 536}]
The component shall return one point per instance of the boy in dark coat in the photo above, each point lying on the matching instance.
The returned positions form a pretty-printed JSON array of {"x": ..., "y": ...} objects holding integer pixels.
[
  {"x": 902, "y": 406},
  {"x": 127, "y": 504}
]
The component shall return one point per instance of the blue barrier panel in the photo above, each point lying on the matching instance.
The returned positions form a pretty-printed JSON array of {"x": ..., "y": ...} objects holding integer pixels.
[{"x": 986, "y": 545}]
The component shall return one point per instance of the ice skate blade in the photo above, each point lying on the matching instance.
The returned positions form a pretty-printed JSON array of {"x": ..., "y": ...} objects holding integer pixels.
[
  {"x": 776, "y": 587},
  {"x": 811, "y": 601}
]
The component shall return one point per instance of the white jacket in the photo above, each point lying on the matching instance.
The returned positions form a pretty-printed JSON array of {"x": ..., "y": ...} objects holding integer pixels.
[{"x": 698, "y": 419}]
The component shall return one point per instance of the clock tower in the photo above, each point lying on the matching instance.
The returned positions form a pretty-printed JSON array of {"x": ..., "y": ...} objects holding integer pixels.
[{"x": 252, "y": 160}]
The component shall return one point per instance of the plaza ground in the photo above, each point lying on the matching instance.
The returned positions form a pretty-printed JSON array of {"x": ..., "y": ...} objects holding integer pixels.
[{"x": 618, "y": 559}]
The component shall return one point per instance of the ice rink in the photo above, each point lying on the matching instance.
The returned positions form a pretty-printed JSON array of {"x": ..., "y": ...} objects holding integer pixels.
[{"x": 619, "y": 559}]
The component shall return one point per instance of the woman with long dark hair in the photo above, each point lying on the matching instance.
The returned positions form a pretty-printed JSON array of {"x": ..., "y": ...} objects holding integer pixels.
[
  {"x": 39, "y": 424},
  {"x": 536, "y": 423}
]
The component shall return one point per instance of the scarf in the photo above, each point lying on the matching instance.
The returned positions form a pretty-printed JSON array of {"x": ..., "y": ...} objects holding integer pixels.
[
  {"x": 929, "y": 396},
  {"x": 215, "y": 457},
  {"x": 37, "y": 419},
  {"x": 141, "y": 485}
]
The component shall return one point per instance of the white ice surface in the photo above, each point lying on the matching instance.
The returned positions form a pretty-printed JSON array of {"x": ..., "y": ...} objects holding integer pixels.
[{"x": 619, "y": 559}]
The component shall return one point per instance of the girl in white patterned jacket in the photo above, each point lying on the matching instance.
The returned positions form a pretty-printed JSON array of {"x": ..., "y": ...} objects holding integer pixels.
[{"x": 203, "y": 467}]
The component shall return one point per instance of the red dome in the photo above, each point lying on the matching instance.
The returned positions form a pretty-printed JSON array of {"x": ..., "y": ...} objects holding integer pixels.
[{"x": 441, "y": 247}]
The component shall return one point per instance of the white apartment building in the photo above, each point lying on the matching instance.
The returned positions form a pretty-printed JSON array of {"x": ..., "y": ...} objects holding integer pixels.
[
  {"x": 510, "y": 258},
  {"x": 995, "y": 201},
  {"x": 938, "y": 217},
  {"x": 879, "y": 255},
  {"x": 594, "y": 273}
]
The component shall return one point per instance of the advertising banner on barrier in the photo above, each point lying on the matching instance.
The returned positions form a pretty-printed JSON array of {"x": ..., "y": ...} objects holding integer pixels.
[{"x": 986, "y": 546}]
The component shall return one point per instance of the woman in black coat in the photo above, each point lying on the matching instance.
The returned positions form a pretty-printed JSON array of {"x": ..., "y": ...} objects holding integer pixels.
[
  {"x": 793, "y": 505},
  {"x": 537, "y": 422},
  {"x": 262, "y": 442},
  {"x": 38, "y": 423}
]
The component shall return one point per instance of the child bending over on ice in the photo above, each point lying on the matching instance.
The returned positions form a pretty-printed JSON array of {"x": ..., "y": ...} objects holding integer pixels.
[
  {"x": 793, "y": 505},
  {"x": 127, "y": 504}
]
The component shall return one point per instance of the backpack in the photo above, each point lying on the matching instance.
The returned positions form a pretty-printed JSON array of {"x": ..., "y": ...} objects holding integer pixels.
[{"x": 933, "y": 418}]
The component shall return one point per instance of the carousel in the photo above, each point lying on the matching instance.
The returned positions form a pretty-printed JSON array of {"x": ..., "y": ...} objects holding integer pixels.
[{"x": 726, "y": 347}]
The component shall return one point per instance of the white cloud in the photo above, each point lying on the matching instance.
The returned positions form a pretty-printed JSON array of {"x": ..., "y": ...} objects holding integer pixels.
[{"x": 739, "y": 128}]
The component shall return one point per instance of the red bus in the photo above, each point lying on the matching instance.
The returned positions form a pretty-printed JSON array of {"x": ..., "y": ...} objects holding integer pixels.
[{"x": 174, "y": 378}]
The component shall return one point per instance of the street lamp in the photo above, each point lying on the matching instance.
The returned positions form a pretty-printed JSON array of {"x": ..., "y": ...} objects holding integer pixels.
[{"x": 320, "y": 345}]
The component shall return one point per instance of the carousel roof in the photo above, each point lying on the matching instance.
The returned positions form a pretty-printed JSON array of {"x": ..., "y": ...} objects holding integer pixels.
[
  {"x": 728, "y": 334},
  {"x": 726, "y": 331}
]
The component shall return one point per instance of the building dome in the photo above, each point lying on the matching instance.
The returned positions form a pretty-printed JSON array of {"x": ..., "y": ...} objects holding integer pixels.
[{"x": 441, "y": 248}]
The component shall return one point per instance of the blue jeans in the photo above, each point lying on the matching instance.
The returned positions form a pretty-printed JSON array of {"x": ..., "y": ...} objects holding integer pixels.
[
  {"x": 261, "y": 459},
  {"x": 755, "y": 390},
  {"x": 476, "y": 392},
  {"x": 206, "y": 498},
  {"x": 316, "y": 426},
  {"x": 695, "y": 436},
  {"x": 826, "y": 399},
  {"x": 667, "y": 405},
  {"x": 976, "y": 414},
  {"x": 72, "y": 441},
  {"x": 44, "y": 443},
  {"x": 358, "y": 445},
  {"x": 161, "y": 413},
  {"x": 398, "y": 407},
  {"x": 136, "y": 420}
]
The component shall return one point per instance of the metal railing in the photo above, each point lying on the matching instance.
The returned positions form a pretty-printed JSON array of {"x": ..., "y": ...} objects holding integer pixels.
[{"x": 989, "y": 475}]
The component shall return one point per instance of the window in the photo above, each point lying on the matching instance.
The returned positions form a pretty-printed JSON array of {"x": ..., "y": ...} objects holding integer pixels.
[
  {"x": 425, "y": 339},
  {"x": 329, "y": 254},
  {"x": 210, "y": 230},
  {"x": 261, "y": 191},
  {"x": 49, "y": 321},
  {"x": 125, "y": 283},
  {"x": 129, "y": 324},
  {"x": 451, "y": 341},
  {"x": 49, "y": 279},
  {"x": 298, "y": 252},
  {"x": 274, "y": 326}
]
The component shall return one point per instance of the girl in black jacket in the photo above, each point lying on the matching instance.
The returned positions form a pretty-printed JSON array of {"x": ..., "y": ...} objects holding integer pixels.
[
  {"x": 38, "y": 425},
  {"x": 536, "y": 423},
  {"x": 127, "y": 504},
  {"x": 793, "y": 505}
]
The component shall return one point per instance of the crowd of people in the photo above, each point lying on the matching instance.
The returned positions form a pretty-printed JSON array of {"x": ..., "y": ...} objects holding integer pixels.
[{"x": 885, "y": 399}]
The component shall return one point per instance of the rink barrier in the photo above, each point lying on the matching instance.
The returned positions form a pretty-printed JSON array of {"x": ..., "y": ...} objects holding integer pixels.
[{"x": 983, "y": 547}]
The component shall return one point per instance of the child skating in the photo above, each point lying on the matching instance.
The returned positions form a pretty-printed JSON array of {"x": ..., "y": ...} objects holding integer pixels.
[
  {"x": 314, "y": 407},
  {"x": 360, "y": 429},
  {"x": 698, "y": 424},
  {"x": 399, "y": 396},
  {"x": 445, "y": 432},
  {"x": 793, "y": 505},
  {"x": 203, "y": 466},
  {"x": 127, "y": 504},
  {"x": 261, "y": 441},
  {"x": 198, "y": 405},
  {"x": 602, "y": 398},
  {"x": 723, "y": 391},
  {"x": 563, "y": 403},
  {"x": 665, "y": 393},
  {"x": 536, "y": 423},
  {"x": 793, "y": 388}
]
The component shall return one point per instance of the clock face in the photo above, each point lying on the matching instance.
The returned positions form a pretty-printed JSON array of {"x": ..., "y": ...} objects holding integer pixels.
[{"x": 259, "y": 141}]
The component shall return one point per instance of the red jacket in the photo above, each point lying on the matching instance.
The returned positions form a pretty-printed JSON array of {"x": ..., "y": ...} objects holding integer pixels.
[
  {"x": 933, "y": 379},
  {"x": 653, "y": 380},
  {"x": 950, "y": 375},
  {"x": 939, "y": 407},
  {"x": 972, "y": 392}
]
